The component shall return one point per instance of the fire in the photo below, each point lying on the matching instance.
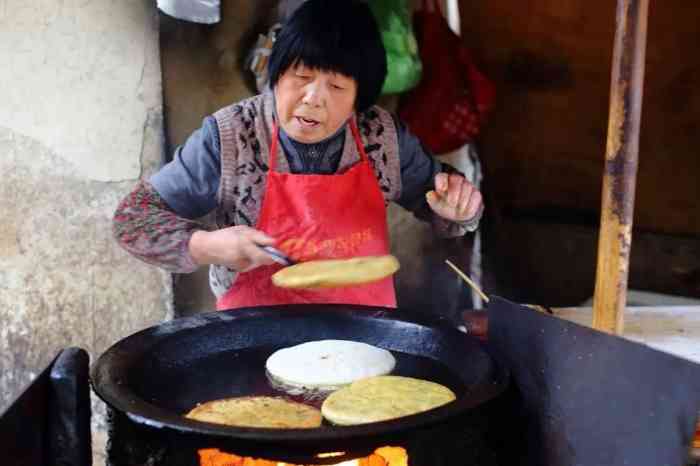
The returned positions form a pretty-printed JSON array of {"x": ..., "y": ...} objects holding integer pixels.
[
  {"x": 344, "y": 463},
  {"x": 385, "y": 456}
]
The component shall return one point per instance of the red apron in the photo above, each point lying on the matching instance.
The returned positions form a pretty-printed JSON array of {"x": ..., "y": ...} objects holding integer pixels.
[{"x": 319, "y": 217}]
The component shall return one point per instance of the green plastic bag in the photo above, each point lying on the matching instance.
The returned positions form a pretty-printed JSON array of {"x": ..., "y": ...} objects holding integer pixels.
[{"x": 404, "y": 67}]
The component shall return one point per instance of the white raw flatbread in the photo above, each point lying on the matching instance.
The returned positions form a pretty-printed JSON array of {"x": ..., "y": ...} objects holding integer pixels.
[{"x": 328, "y": 364}]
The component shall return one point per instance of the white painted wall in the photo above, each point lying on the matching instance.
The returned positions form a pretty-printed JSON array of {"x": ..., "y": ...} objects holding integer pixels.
[
  {"x": 73, "y": 77},
  {"x": 80, "y": 121}
]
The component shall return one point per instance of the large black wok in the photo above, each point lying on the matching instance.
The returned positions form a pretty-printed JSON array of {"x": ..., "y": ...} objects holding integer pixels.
[{"x": 156, "y": 375}]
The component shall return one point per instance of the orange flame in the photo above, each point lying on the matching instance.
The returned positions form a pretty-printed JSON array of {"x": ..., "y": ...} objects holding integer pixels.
[{"x": 385, "y": 456}]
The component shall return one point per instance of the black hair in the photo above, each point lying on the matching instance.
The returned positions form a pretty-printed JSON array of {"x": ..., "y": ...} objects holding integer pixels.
[{"x": 340, "y": 36}]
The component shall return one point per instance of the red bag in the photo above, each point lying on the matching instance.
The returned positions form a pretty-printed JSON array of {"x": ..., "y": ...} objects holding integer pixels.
[{"x": 449, "y": 105}]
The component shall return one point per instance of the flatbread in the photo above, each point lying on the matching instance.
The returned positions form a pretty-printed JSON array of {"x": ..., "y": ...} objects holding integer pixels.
[
  {"x": 328, "y": 364},
  {"x": 332, "y": 273},
  {"x": 382, "y": 398},
  {"x": 257, "y": 411}
]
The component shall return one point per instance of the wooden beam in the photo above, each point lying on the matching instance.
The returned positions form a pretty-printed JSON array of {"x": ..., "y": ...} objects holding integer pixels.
[{"x": 619, "y": 179}]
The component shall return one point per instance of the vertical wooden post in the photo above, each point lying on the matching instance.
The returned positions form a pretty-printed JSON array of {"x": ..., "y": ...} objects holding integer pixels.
[{"x": 626, "y": 90}]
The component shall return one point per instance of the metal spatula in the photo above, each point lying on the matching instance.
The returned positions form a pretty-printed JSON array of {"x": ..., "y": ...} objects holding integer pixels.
[{"x": 278, "y": 256}]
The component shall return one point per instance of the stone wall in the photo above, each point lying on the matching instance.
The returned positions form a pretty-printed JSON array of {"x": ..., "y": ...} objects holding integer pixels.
[{"x": 81, "y": 121}]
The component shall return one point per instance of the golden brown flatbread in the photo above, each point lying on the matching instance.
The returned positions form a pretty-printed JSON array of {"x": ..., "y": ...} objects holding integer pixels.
[
  {"x": 257, "y": 411},
  {"x": 382, "y": 398},
  {"x": 331, "y": 273}
]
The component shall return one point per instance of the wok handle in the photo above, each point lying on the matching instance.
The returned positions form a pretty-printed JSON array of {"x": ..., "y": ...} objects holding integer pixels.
[{"x": 476, "y": 323}]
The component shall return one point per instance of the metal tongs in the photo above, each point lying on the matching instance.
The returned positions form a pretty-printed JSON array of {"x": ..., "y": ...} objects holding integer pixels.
[{"x": 278, "y": 256}]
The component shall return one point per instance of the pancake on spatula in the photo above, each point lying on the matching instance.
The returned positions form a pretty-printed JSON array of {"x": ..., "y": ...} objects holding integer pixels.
[
  {"x": 330, "y": 273},
  {"x": 382, "y": 398},
  {"x": 327, "y": 364},
  {"x": 257, "y": 411}
]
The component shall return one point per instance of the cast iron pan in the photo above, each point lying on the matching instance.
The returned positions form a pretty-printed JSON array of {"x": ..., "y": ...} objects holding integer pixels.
[{"x": 158, "y": 374}]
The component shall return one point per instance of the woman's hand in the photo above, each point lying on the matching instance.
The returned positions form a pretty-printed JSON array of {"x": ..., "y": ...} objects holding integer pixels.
[
  {"x": 454, "y": 198},
  {"x": 234, "y": 247}
]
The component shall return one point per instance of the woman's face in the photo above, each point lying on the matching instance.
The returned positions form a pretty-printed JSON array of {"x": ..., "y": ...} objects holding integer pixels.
[{"x": 313, "y": 104}]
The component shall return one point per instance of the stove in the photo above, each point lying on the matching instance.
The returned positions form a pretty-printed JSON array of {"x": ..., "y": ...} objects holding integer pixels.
[
  {"x": 150, "y": 379},
  {"x": 541, "y": 391}
]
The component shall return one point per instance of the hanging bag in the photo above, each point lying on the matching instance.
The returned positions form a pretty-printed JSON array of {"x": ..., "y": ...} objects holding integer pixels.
[
  {"x": 403, "y": 63},
  {"x": 448, "y": 107}
]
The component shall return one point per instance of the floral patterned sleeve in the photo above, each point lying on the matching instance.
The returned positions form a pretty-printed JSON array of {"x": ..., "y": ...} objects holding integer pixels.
[{"x": 145, "y": 226}]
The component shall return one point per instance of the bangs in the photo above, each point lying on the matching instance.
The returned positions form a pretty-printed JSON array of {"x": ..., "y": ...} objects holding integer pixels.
[{"x": 323, "y": 50}]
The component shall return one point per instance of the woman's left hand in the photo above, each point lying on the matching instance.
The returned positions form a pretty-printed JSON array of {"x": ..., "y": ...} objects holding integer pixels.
[{"x": 454, "y": 198}]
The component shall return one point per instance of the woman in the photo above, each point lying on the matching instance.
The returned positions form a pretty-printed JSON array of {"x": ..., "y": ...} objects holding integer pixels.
[{"x": 307, "y": 167}]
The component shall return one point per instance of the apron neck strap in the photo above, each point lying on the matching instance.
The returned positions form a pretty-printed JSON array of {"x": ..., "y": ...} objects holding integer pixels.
[
  {"x": 273, "y": 146},
  {"x": 272, "y": 163},
  {"x": 358, "y": 140}
]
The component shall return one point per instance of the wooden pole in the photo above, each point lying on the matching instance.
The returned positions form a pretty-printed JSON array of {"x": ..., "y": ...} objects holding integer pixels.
[{"x": 619, "y": 179}]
